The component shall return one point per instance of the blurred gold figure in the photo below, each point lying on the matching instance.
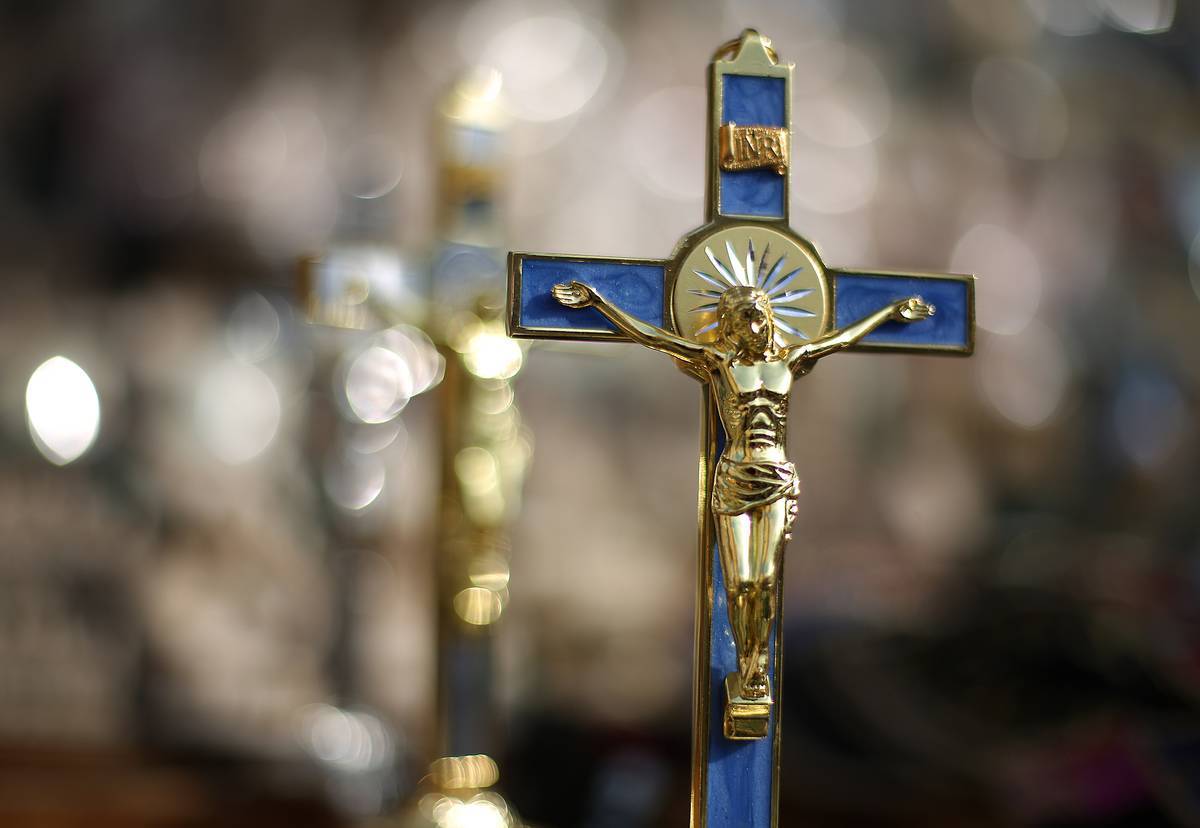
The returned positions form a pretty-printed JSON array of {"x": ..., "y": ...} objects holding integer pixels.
[{"x": 755, "y": 488}]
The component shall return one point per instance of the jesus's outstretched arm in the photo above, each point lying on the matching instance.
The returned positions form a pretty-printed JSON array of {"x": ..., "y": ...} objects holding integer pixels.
[
  {"x": 579, "y": 295},
  {"x": 905, "y": 310}
]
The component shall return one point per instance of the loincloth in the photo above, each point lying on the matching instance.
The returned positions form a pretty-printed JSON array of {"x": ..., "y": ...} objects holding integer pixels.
[{"x": 739, "y": 487}]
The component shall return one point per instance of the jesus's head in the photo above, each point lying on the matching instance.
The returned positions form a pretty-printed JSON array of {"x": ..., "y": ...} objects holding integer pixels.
[{"x": 746, "y": 325}]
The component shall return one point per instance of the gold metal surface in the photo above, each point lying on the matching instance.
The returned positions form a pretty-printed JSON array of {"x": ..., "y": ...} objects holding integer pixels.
[
  {"x": 753, "y": 147},
  {"x": 485, "y": 451},
  {"x": 701, "y": 695},
  {"x": 459, "y": 795},
  {"x": 747, "y": 718},
  {"x": 486, "y": 809},
  {"x": 341, "y": 305},
  {"x": 730, "y": 48},
  {"x": 457, "y": 773},
  {"x": 473, "y": 119}
]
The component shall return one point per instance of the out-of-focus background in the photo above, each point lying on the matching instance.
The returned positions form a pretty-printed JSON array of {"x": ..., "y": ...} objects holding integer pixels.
[{"x": 210, "y": 617}]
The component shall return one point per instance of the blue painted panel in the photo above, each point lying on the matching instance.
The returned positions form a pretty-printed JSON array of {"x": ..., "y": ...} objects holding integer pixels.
[
  {"x": 752, "y": 193},
  {"x": 750, "y": 100},
  {"x": 634, "y": 288},
  {"x": 754, "y": 101},
  {"x": 861, "y": 294},
  {"x": 740, "y": 774}
]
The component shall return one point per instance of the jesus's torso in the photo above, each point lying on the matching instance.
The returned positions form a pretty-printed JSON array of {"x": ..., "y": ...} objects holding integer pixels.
[{"x": 753, "y": 402}]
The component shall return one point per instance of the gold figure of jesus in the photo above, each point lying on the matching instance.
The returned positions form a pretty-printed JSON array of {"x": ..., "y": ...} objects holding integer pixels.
[{"x": 755, "y": 488}]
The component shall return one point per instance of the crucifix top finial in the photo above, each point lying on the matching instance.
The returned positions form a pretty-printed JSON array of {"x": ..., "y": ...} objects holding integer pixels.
[{"x": 750, "y": 46}]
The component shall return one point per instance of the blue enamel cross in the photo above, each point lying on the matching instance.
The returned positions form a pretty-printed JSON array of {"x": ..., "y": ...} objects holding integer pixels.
[{"x": 745, "y": 247}]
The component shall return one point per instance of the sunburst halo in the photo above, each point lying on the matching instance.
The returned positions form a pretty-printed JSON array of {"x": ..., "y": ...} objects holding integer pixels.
[{"x": 772, "y": 277}]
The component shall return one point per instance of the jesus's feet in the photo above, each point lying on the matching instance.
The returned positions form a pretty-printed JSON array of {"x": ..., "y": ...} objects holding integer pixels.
[{"x": 757, "y": 686}]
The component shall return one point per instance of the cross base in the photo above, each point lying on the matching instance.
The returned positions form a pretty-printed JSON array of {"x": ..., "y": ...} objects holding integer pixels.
[{"x": 745, "y": 718}]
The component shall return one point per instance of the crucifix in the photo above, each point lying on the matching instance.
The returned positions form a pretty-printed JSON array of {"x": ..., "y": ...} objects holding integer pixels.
[{"x": 746, "y": 306}]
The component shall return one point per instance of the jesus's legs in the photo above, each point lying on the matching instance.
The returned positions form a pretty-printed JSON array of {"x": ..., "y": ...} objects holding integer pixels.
[
  {"x": 733, "y": 542},
  {"x": 751, "y": 551}
]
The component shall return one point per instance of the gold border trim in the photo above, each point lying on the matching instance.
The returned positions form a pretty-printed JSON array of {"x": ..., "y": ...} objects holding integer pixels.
[{"x": 701, "y": 698}]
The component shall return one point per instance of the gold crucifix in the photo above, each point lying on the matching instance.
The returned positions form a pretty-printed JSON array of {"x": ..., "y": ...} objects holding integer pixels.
[{"x": 746, "y": 306}]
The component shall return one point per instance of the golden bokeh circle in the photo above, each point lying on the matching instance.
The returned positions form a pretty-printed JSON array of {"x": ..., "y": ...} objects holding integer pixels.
[{"x": 755, "y": 255}]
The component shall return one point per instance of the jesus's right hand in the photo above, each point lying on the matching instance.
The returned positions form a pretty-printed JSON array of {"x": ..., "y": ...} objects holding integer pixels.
[
  {"x": 574, "y": 295},
  {"x": 913, "y": 310}
]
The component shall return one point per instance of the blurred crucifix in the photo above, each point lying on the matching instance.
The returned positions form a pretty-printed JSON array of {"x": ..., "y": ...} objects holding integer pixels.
[{"x": 483, "y": 447}]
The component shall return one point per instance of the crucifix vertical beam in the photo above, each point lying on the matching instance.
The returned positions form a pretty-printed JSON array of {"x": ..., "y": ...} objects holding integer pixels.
[
  {"x": 735, "y": 781},
  {"x": 747, "y": 258}
]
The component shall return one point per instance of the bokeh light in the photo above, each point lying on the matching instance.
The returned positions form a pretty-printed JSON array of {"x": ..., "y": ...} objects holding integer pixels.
[
  {"x": 378, "y": 384},
  {"x": 552, "y": 65},
  {"x": 1067, "y": 18},
  {"x": 352, "y": 740},
  {"x": 236, "y": 410},
  {"x": 487, "y": 352},
  {"x": 253, "y": 330},
  {"x": 480, "y": 811},
  {"x": 243, "y": 155},
  {"x": 835, "y": 179},
  {"x": 62, "y": 410},
  {"x": 853, "y": 108},
  {"x": 1139, "y": 16},
  {"x": 372, "y": 166},
  {"x": 478, "y": 606},
  {"x": 674, "y": 169},
  {"x": 377, "y": 381},
  {"x": 1009, "y": 287},
  {"x": 1020, "y": 107},
  {"x": 1149, "y": 418},
  {"x": 1025, "y": 377},
  {"x": 354, "y": 480}
]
